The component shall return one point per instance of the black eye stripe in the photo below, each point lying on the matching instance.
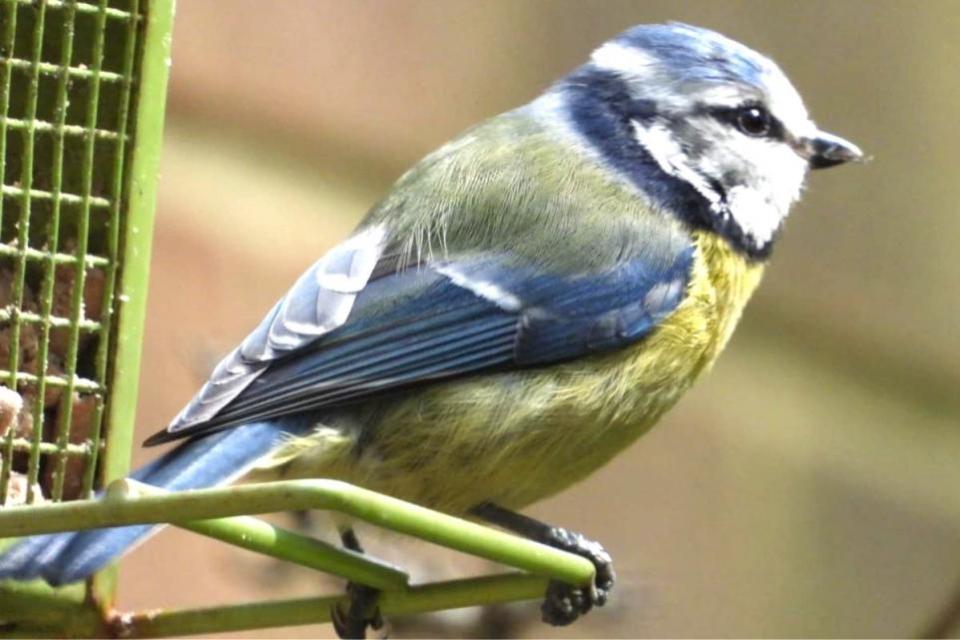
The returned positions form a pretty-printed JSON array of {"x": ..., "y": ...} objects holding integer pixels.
[{"x": 730, "y": 116}]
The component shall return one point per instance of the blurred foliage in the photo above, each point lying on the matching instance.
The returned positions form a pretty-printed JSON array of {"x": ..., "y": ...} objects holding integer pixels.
[{"x": 807, "y": 487}]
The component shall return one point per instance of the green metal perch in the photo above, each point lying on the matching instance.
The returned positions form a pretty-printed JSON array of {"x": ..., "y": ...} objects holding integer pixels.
[{"x": 221, "y": 513}]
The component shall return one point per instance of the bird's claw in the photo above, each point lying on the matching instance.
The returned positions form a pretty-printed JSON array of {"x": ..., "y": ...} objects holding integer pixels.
[
  {"x": 352, "y": 621},
  {"x": 565, "y": 603}
]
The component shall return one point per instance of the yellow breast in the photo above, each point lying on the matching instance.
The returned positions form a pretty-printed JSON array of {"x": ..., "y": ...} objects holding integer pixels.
[{"x": 722, "y": 283}]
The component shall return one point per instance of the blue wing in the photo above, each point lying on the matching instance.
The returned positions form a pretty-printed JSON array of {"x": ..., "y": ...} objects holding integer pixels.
[{"x": 449, "y": 319}]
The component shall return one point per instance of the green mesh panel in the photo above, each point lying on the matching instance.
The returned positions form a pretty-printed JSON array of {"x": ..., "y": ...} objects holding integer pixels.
[{"x": 66, "y": 88}]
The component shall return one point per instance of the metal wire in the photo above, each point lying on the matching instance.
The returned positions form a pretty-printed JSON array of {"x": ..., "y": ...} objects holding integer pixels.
[
  {"x": 53, "y": 235},
  {"x": 66, "y": 84},
  {"x": 23, "y": 223},
  {"x": 9, "y": 33},
  {"x": 113, "y": 237}
]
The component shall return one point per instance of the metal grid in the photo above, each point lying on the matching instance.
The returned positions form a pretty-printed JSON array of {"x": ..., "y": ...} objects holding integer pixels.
[{"x": 66, "y": 79}]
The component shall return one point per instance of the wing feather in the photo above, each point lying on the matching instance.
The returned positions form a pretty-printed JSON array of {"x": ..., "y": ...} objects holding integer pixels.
[{"x": 319, "y": 302}]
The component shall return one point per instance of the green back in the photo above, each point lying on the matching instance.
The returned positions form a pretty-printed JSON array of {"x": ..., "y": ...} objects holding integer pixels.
[{"x": 518, "y": 185}]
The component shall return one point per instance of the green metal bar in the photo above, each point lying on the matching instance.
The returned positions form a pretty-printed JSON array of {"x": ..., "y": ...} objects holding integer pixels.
[
  {"x": 27, "y": 317},
  {"x": 23, "y": 223},
  {"x": 122, "y": 507},
  {"x": 56, "y": 381},
  {"x": 113, "y": 245},
  {"x": 452, "y": 594},
  {"x": 268, "y": 539},
  {"x": 36, "y": 601},
  {"x": 36, "y": 614},
  {"x": 50, "y": 267},
  {"x": 39, "y": 611},
  {"x": 46, "y": 68},
  {"x": 65, "y": 414},
  {"x": 40, "y": 194},
  {"x": 82, "y": 7},
  {"x": 22, "y": 444},
  {"x": 130, "y": 288},
  {"x": 9, "y": 33},
  {"x": 136, "y": 239},
  {"x": 209, "y": 512},
  {"x": 59, "y": 258},
  {"x": 262, "y": 537},
  {"x": 42, "y": 126}
]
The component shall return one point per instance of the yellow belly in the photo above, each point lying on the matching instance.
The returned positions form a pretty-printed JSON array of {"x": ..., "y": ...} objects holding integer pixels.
[{"x": 517, "y": 437}]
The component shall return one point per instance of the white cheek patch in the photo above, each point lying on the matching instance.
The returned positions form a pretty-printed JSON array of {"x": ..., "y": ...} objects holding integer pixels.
[
  {"x": 752, "y": 214},
  {"x": 663, "y": 148},
  {"x": 760, "y": 207}
]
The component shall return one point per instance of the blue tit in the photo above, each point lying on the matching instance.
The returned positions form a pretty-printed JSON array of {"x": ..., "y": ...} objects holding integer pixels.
[{"x": 522, "y": 305}]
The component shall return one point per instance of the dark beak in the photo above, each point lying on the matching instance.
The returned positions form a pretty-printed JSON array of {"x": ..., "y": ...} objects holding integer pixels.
[{"x": 828, "y": 150}]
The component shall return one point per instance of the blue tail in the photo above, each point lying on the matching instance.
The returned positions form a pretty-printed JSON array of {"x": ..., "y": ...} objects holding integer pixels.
[{"x": 61, "y": 558}]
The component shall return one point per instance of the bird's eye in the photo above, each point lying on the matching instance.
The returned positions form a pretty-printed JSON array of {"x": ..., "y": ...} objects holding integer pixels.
[{"x": 754, "y": 121}]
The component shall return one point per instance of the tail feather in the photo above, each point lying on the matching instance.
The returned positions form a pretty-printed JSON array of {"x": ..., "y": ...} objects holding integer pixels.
[{"x": 62, "y": 558}]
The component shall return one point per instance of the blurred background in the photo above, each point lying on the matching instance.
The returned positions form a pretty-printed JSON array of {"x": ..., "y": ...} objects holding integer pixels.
[{"x": 809, "y": 486}]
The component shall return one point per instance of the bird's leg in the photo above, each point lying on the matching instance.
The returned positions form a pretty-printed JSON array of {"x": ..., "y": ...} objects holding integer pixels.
[
  {"x": 353, "y": 622},
  {"x": 564, "y": 603}
]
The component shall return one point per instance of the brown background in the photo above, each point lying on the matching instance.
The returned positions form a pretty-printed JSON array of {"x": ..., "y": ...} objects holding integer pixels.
[{"x": 809, "y": 486}]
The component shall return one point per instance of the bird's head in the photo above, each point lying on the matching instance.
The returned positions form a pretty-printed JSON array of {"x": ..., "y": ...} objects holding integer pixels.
[{"x": 707, "y": 127}]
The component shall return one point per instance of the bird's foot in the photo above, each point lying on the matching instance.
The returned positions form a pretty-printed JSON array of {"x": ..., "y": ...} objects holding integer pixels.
[
  {"x": 565, "y": 603},
  {"x": 352, "y": 620}
]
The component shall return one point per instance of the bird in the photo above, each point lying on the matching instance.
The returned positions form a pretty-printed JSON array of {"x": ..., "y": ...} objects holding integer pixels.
[{"x": 523, "y": 304}]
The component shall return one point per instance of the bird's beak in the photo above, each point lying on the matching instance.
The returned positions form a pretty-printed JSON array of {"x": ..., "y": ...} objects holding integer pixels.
[{"x": 827, "y": 150}]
